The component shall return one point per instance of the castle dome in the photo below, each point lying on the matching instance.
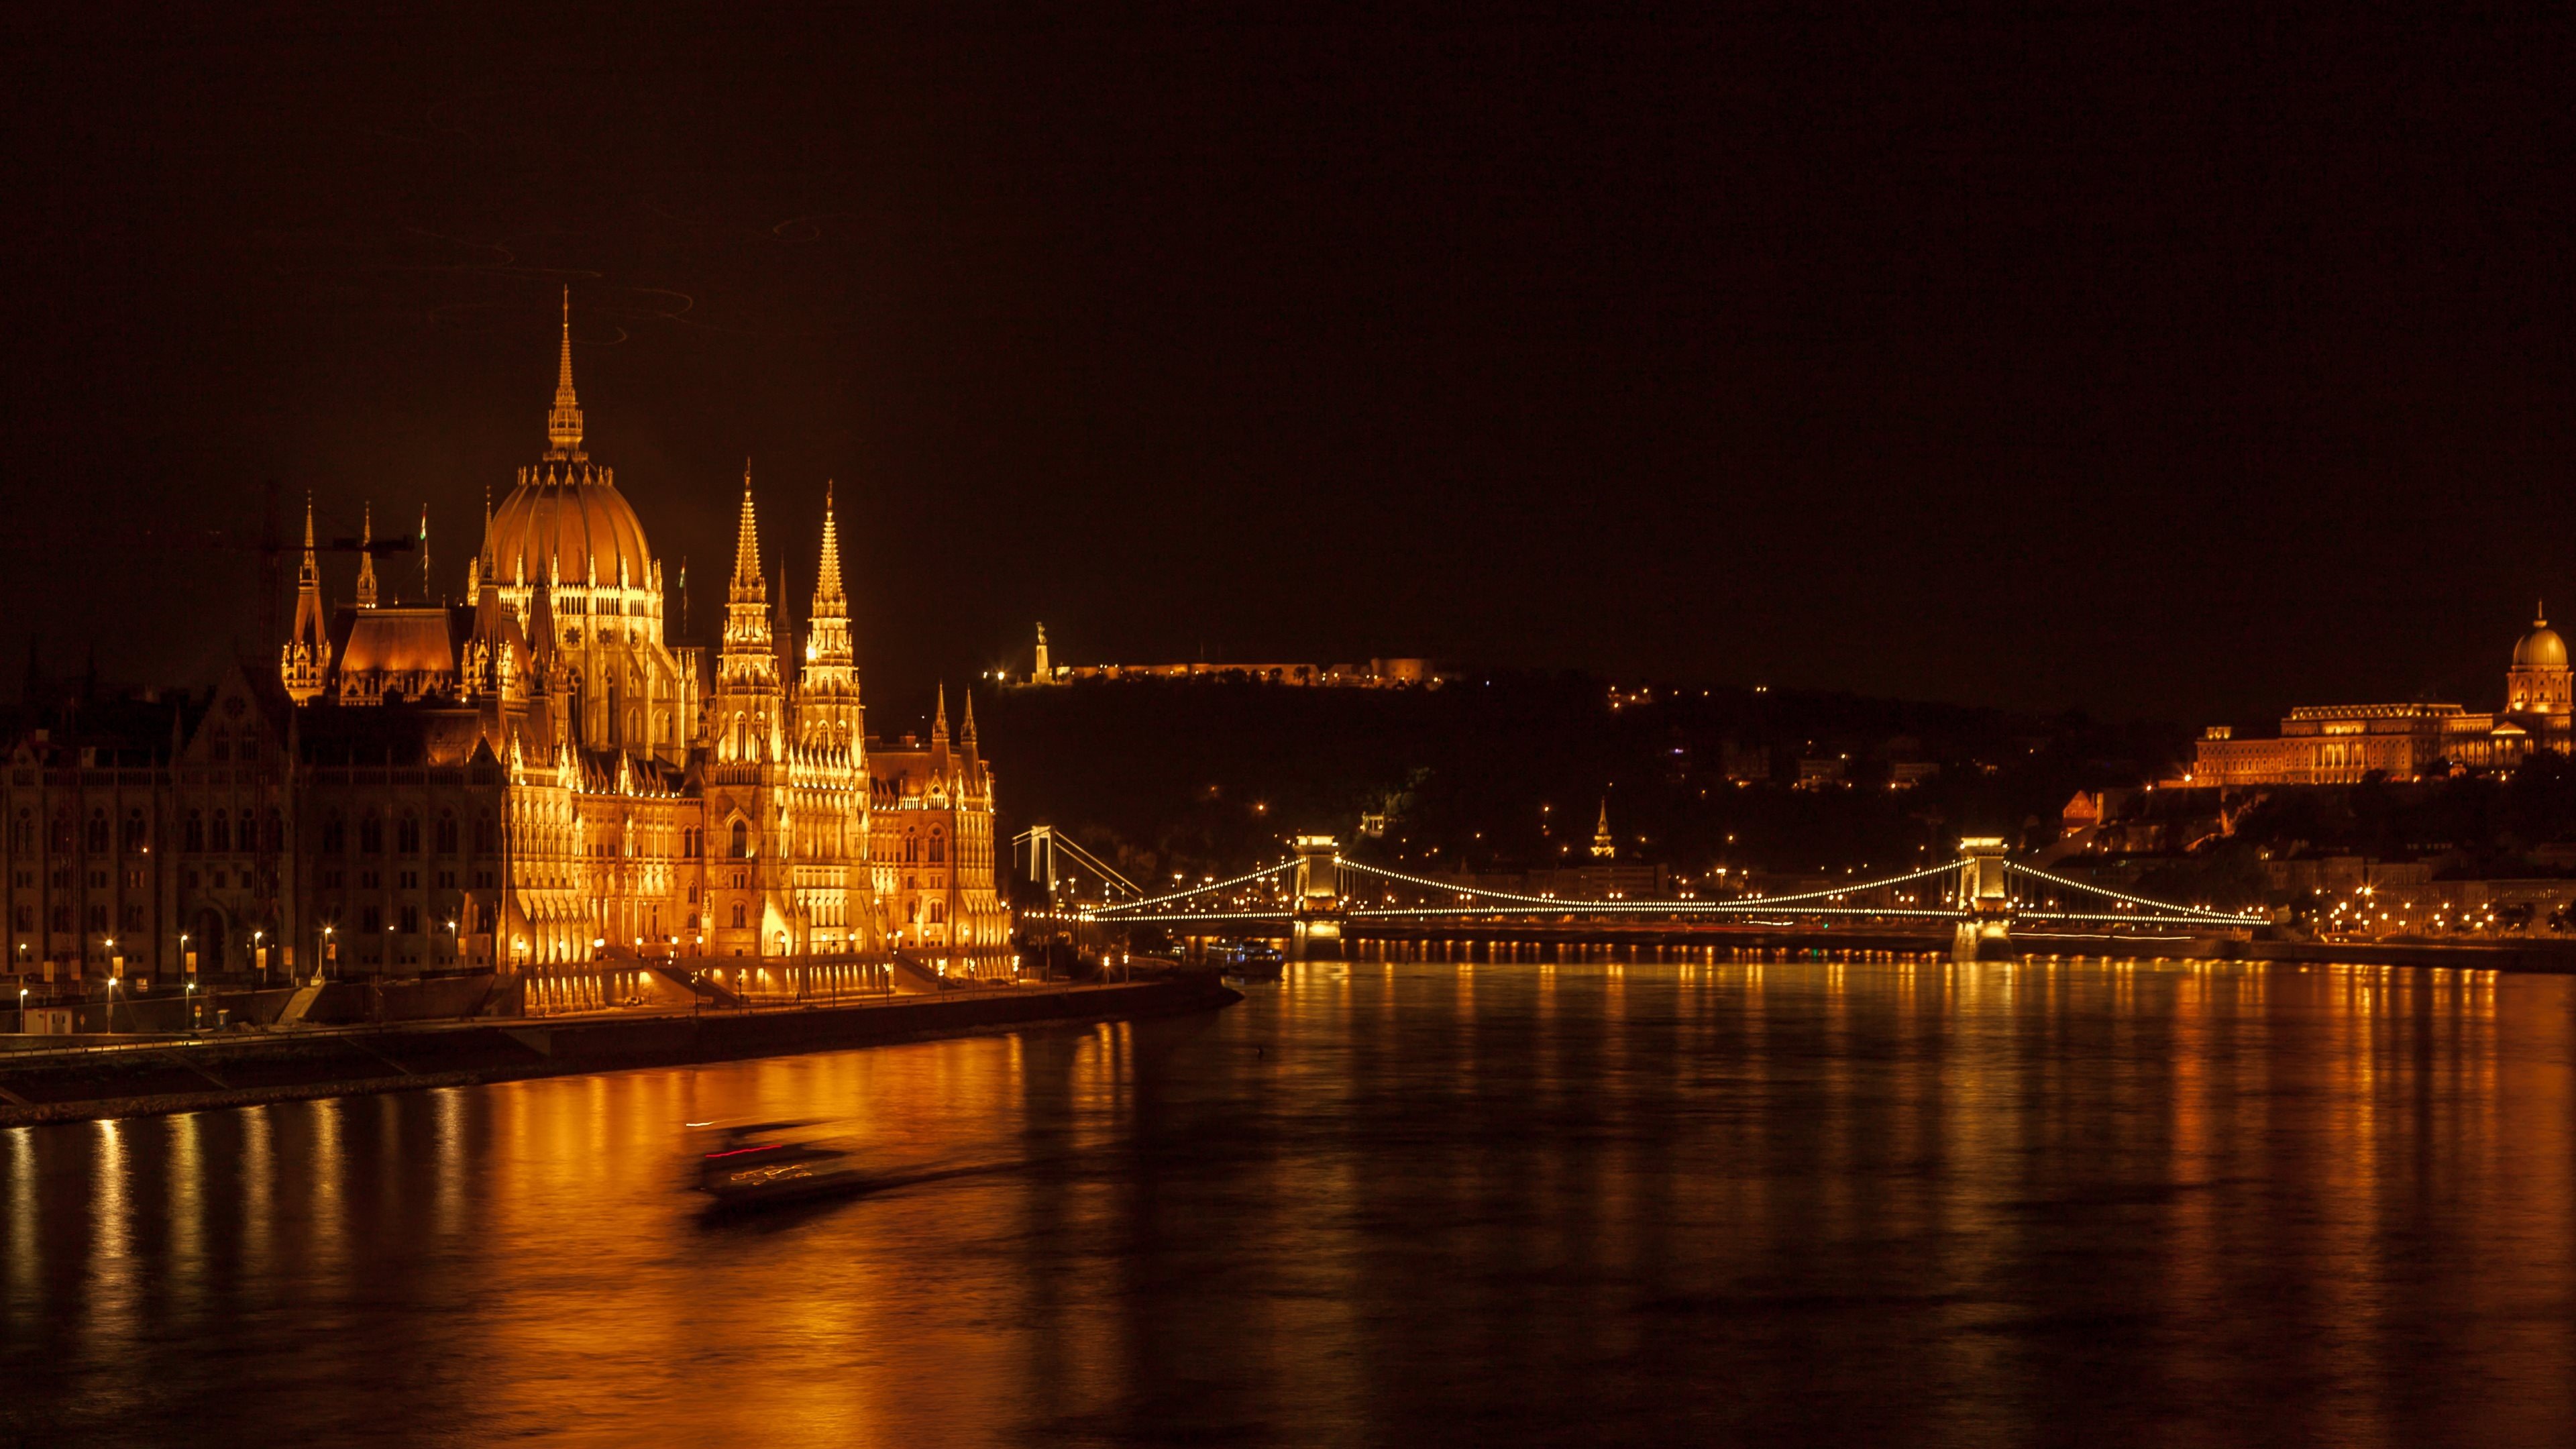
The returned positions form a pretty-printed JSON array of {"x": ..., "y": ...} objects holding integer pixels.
[{"x": 2541, "y": 648}]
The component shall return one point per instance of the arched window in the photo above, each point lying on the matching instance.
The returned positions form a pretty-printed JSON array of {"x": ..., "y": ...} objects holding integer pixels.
[
  {"x": 135, "y": 837},
  {"x": 219, "y": 837},
  {"x": 371, "y": 834},
  {"x": 486, "y": 838},
  {"x": 249, "y": 837},
  {"x": 335, "y": 834},
  {"x": 741, "y": 841},
  {"x": 22, "y": 832},
  {"x": 97, "y": 832},
  {"x": 196, "y": 832},
  {"x": 737, "y": 915},
  {"x": 60, "y": 837},
  {"x": 911, "y": 848},
  {"x": 938, "y": 848},
  {"x": 938, "y": 912},
  {"x": 407, "y": 834},
  {"x": 272, "y": 835},
  {"x": 447, "y": 832}
]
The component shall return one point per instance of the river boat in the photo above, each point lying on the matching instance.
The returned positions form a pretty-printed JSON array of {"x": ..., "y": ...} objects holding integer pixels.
[
  {"x": 1249, "y": 960},
  {"x": 760, "y": 1164}
]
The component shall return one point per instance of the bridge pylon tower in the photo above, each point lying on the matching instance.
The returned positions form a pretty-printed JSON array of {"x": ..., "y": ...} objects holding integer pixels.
[
  {"x": 1985, "y": 932},
  {"x": 1319, "y": 904}
]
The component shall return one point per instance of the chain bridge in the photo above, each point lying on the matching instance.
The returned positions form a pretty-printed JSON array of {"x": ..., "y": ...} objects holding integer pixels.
[{"x": 1317, "y": 892}]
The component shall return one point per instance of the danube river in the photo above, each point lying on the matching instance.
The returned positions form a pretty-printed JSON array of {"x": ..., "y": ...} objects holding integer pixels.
[{"x": 1597, "y": 1199}]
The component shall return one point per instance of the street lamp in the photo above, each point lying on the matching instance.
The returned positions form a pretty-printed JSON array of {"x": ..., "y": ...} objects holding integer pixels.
[{"x": 22, "y": 1011}]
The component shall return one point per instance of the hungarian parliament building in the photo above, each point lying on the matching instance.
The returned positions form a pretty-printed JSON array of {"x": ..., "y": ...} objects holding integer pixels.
[
  {"x": 2344, "y": 743},
  {"x": 534, "y": 776}
]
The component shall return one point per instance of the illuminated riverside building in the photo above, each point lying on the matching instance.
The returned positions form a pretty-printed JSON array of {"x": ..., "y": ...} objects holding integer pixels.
[
  {"x": 534, "y": 777},
  {"x": 2341, "y": 744}
]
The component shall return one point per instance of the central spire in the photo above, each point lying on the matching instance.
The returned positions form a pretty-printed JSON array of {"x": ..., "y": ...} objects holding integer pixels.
[
  {"x": 746, "y": 549},
  {"x": 563, "y": 424}
]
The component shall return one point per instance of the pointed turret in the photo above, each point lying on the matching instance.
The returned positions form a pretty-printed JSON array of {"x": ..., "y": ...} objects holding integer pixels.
[
  {"x": 827, "y": 578},
  {"x": 563, "y": 422},
  {"x": 746, "y": 548},
  {"x": 939, "y": 722},
  {"x": 747, "y": 681},
  {"x": 827, "y": 689},
  {"x": 827, "y": 639},
  {"x": 301, "y": 668},
  {"x": 966, "y": 736},
  {"x": 367, "y": 559}
]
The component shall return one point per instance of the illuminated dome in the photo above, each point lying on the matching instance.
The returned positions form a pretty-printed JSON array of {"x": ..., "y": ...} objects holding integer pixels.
[
  {"x": 566, "y": 519},
  {"x": 2541, "y": 648},
  {"x": 575, "y": 520}
]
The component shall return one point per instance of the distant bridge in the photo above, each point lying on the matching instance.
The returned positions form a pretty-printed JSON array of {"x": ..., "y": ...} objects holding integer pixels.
[{"x": 1983, "y": 895}]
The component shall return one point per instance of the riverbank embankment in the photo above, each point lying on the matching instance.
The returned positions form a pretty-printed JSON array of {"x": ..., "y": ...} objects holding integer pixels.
[
  {"x": 2547, "y": 956},
  {"x": 183, "y": 1073}
]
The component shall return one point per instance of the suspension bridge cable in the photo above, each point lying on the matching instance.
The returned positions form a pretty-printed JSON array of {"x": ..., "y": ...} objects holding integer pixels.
[
  {"x": 1094, "y": 864},
  {"x": 2140, "y": 920},
  {"x": 1278, "y": 915},
  {"x": 1661, "y": 908},
  {"x": 1752, "y": 902},
  {"x": 1198, "y": 890},
  {"x": 2121, "y": 895}
]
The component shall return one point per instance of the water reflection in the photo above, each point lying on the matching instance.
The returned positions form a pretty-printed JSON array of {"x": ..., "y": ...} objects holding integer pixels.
[{"x": 1456, "y": 1197}]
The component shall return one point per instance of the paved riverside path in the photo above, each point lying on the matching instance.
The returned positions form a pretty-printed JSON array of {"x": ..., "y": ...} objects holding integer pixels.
[{"x": 177, "y": 1074}]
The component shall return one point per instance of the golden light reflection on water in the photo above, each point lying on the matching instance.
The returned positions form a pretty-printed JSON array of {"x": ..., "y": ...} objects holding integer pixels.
[{"x": 1457, "y": 1197}]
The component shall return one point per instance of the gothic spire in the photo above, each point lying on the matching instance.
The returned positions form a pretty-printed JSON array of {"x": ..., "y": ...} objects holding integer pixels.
[
  {"x": 746, "y": 548},
  {"x": 827, "y": 625},
  {"x": 939, "y": 725},
  {"x": 967, "y": 735},
  {"x": 367, "y": 559},
  {"x": 827, "y": 582},
  {"x": 309, "y": 573},
  {"x": 300, "y": 666},
  {"x": 563, "y": 424}
]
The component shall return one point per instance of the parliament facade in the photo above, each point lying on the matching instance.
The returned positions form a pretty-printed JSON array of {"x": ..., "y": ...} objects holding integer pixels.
[
  {"x": 2342, "y": 744},
  {"x": 533, "y": 777}
]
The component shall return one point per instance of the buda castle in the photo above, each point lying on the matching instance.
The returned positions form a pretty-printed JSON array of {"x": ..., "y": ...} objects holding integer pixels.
[
  {"x": 2341, "y": 744},
  {"x": 536, "y": 775}
]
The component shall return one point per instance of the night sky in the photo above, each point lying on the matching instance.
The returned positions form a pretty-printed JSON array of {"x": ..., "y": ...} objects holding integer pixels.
[{"x": 2185, "y": 371}]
